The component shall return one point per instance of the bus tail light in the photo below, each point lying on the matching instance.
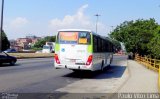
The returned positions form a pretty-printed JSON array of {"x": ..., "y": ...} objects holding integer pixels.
[
  {"x": 89, "y": 61},
  {"x": 56, "y": 58}
]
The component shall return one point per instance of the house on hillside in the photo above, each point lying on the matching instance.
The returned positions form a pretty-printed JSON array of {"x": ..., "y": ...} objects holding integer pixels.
[{"x": 24, "y": 43}]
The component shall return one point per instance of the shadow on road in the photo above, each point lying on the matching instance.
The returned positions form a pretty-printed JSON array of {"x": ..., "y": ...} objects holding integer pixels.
[
  {"x": 8, "y": 65},
  {"x": 109, "y": 72}
]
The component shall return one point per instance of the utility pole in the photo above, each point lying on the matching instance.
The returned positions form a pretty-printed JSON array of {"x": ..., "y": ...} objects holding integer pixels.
[
  {"x": 2, "y": 7},
  {"x": 97, "y": 15}
]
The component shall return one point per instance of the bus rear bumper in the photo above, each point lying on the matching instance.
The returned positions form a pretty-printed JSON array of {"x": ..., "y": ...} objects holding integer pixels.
[{"x": 75, "y": 67}]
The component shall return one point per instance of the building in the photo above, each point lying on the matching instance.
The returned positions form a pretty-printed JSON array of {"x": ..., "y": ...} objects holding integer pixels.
[
  {"x": 14, "y": 45},
  {"x": 24, "y": 43}
]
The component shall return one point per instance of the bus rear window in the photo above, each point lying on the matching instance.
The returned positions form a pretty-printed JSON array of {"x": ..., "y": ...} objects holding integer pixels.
[{"x": 74, "y": 37}]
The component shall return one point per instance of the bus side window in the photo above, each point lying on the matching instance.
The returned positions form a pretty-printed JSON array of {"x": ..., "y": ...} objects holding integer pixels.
[
  {"x": 103, "y": 45},
  {"x": 109, "y": 47},
  {"x": 99, "y": 45},
  {"x": 107, "y": 44},
  {"x": 95, "y": 44}
]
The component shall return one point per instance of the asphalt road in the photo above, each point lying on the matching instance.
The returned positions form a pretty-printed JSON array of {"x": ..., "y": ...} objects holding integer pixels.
[{"x": 39, "y": 76}]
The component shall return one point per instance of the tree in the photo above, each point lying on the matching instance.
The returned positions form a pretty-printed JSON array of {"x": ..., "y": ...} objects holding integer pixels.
[
  {"x": 40, "y": 43},
  {"x": 136, "y": 35},
  {"x": 5, "y": 42},
  {"x": 154, "y": 45}
]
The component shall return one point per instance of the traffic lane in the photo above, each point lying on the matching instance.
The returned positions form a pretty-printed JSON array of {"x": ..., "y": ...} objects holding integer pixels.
[
  {"x": 19, "y": 82},
  {"x": 41, "y": 63},
  {"x": 120, "y": 57},
  {"x": 59, "y": 78},
  {"x": 52, "y": 84},
  {"x": 23, "y": 65},
  {"x": 14, "y": 77},
  {"x": 32, "y": 60}
]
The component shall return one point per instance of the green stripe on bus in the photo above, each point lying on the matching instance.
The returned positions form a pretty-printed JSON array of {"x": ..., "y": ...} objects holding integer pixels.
[
  {"x": 90, "y": 47},
  {"x": 57, "y": 47}
]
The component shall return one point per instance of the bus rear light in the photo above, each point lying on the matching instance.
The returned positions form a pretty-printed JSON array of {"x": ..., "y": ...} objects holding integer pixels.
[
  {"x": 56, "y": 58},
  {"x": 89, "y": 61}
]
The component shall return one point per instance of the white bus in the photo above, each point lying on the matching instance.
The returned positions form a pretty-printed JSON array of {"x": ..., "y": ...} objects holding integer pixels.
[
  {"x": 49, "y": 47},
  {"x": 79, "y": 49}
]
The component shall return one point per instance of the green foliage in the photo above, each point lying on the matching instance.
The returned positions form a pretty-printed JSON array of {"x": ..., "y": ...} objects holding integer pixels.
[
  {"x": 36, "y": 49},
  {"x": 154, "y": 45},
  {"x": 5, "y": 42},
  {"x": 38, "y": 45},
  {"x": 137, "y": 35}
]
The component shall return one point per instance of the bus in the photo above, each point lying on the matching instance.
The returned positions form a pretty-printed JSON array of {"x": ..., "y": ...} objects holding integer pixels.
[
  {"x": 79, "y": 49},
  {"x": 49, "y": 47}
]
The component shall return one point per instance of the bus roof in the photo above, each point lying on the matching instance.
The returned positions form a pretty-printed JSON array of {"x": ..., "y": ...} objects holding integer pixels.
[
  {"x": 75, "y": 30},
  {"x": 85, "y": 30}
]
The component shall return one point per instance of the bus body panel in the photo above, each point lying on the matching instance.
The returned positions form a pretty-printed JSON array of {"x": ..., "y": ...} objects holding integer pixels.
[
  {"x": 73, "y": 56},
  {"x": 69, "y": 54},
  {"x": 98, "y": 58}
]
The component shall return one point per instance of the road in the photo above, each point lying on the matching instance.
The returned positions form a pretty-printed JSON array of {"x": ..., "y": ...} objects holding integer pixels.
[{"x": 40, "y": 76}]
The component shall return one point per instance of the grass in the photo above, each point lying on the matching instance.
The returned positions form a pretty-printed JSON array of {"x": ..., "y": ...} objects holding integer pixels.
[{"x": 32, "y": 55}]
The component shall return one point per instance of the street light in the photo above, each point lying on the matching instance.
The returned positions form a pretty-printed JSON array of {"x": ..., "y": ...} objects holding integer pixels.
[
  {"x": 1, "y": 25},
  {"x": 97, "y": 15}
]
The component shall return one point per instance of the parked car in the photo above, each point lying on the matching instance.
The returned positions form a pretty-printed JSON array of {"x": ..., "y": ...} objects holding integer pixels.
[
  {"x": 5, "y": 58},
  {"x": 10, "y": 51}
]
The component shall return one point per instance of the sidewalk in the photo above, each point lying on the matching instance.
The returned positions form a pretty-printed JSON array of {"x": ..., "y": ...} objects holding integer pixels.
[{"x": 141, "y": 80}]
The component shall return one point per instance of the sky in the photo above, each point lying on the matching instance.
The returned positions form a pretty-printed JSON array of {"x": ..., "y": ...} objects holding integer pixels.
[{"x": 45, "y": 17}]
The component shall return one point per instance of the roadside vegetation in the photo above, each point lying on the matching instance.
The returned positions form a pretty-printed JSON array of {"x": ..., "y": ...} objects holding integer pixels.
[
  {"x": 5, "y": 42},
  {"x": 39, "y": 45},
  {"x": 139, "y": 36},
  {"x": 31, "y": 55}
]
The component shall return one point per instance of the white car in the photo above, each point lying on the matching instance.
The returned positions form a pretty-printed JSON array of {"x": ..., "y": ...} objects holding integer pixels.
[{"x": 47, "y": 49}]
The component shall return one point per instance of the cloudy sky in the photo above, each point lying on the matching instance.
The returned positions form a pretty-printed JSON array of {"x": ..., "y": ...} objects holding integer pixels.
[{"x": 45, "y": 17}]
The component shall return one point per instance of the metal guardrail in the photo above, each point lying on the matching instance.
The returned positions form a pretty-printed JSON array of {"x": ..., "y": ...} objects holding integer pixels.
[{"x": 153, "y": 64}]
